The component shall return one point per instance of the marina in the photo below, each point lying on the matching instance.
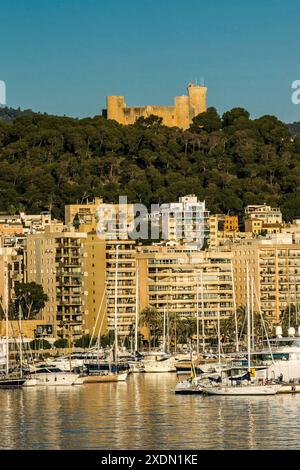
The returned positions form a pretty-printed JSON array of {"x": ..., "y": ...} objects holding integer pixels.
[{"x": 144, "y": 413}]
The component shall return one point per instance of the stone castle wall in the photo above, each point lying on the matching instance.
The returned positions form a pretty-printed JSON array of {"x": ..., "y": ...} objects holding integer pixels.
[{"x": 181, "y": 114}]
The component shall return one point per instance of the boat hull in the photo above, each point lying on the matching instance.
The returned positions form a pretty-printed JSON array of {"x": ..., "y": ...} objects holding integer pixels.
[
  {"x": 289, "y": 388},
  {"x": 89, "y": 379},
  {"x": 183, "y": 389},
  {"x": 11, "y": 383},
  {"x": 56, "y": 380},
  {"x": 241, "y": 390}
]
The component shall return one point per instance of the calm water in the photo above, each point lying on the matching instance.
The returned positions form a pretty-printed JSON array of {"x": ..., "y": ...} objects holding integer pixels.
[{"x": 143, "y": 413}]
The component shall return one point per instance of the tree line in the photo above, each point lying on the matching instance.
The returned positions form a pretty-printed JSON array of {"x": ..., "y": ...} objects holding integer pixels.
[{"x": 229, "y": 160}]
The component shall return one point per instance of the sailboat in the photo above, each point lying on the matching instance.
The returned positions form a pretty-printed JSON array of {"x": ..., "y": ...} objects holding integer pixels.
[
  {"x": 243, "y": 387},
  {"x": 8, "y": 379},
  {"x": 96, "y": 376}
]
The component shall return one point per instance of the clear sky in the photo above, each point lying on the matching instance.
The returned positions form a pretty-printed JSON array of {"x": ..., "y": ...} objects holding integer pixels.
[{"x": 65, "y": 56}]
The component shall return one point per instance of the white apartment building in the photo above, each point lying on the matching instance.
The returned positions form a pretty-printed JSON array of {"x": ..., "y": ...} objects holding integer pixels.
[{"x": 185, "y": 221}]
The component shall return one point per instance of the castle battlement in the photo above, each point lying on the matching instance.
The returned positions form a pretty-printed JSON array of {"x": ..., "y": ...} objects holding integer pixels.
[{"x": 185, "y": 108}]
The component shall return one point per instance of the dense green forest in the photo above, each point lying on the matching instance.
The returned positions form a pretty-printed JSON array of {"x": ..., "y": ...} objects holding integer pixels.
[
  {"x": 230, "y": 161},
  {"x": 294, "y": 128},
  {"x": 10, "y": 114}
]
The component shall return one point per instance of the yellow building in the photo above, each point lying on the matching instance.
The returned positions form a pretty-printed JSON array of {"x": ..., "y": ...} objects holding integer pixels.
[
  {"x": 95, "y": 284},
  {"x": 258, "y": 226},
  {"x": 223, "y": 229},
  {"x": 29, "y": 328},
  {"x": 183, "y": 281},
  {"x": 231, "y": 223},
  {"x": 100, "y": 284},
  {"x": 126, "y": 285},
  {"x": 181, "y": 114},
  {"x": 275, "y": 270},
  {"x": 55, "y": 259},
  {"x": 85, "y": 213},
  {"x": 263, "y": 218},
  {"x": 11, "y": 272},
  {"x": 113, "y": 221}
]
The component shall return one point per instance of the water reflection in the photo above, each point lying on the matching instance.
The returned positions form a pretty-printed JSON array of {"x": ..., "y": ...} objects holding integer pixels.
[{"x": 143, "y": 413}]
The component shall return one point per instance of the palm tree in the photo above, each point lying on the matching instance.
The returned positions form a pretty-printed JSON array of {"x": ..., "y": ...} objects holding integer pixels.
[
  {"x": 189, "y": 328},
  {"x": 150, "y": 319}
]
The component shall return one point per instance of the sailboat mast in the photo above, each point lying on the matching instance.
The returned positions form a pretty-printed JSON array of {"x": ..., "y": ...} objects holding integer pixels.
[
  {"x": 248, "y": 322},
  {"x": 219, "y": 338},
  {"x": 168, "y": 332},
  {"x": 136, "y": 308},
  {"x": 197, "y": 316},
  {"x": 21, "y": 339},
  {"x": 70, "y": 346},
  {"x": 202, "y": 312},
  {"x": 6, "y": 315},
  {"x": 252, "y": 313},
  {"x": 116, "y": 305},
  {"x": 164, "y": 341},
  {"x": 237, "y": 347}
]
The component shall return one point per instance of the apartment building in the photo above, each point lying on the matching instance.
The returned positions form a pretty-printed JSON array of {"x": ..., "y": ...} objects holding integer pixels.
[
  {"x": 17, "y": 225},
  {"x": 83, "y": 213},
  {"x": 95, "y": 284},
  {"x": 223, "y": 228},
  {"x": 110, "y": 283},
  {"x": 185, "y": 221},
  {"x": 274, "y": 266},
  {"x": 33, "y": 223},
  {"x": 55, "y": 259},
  {"x": 121, "y": 262},
  {"x": 11, "y": 272},
  {"x": 112, "y": 221},
  {"x": 185, "y": 281},
  {"x": 263, "y": 218},
  {"x": 10, "y": 225}
]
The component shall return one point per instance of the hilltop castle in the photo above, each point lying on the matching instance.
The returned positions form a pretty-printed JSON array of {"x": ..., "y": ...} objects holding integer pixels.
[{"x": 181, "y": 114}]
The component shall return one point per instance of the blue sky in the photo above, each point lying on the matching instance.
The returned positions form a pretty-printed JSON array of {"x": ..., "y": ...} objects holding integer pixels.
[{"x": 65, "y": 56}]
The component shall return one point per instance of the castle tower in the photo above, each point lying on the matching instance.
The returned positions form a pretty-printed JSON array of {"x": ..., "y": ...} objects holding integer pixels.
[
  {"x": 182, "y": 111},
  {"x": 197, "y": 97},
  {"x": 115, "y": 108}
]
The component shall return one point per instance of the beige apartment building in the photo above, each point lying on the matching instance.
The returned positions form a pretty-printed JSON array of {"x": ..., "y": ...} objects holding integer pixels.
[
  {"x": 104, "y": 260},
  {"x": 11, "y": 272},
  {"x": 55, "y": 259},
  {"x": 263, "y": 218},
  {"x": 121, "y": 262},
  {"x": 183, "y": 282},
  {"x": 274, "y": 266},
  {"x": 112, "y": 221},
  {"x": 85, "y": 213},
  {"x": 107, "y": 228},
  {"x": 95, "y": 284}
]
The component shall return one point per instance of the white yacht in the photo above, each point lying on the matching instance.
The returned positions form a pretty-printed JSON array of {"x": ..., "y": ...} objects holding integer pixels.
[
  {"x": 279, "y": 360},
  {"x": 159, "y": 363},
  {"x": 242, "y": 390},
  {"x": 53, "y": 376}
]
